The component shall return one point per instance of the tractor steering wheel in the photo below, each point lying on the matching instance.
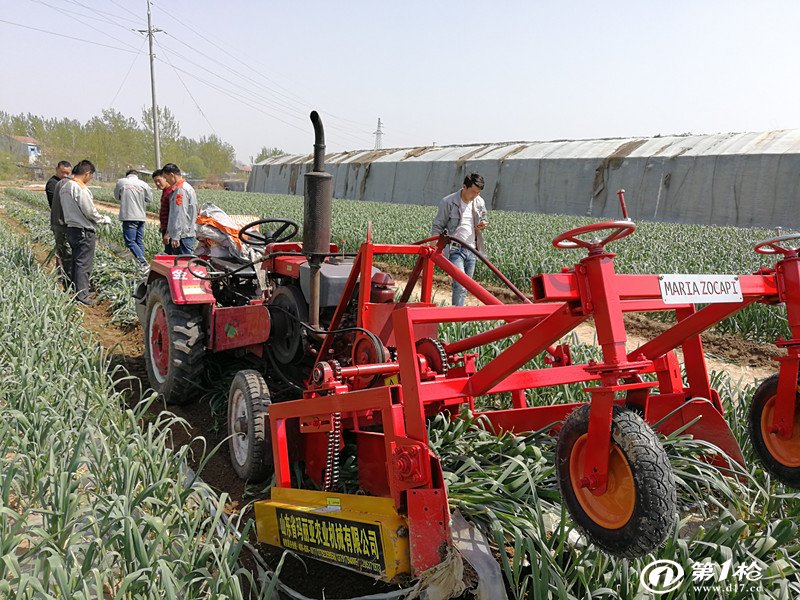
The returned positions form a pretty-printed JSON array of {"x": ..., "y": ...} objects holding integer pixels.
[
  {"x": 569, "y": 239},
  {"x": 773, "y": 245},
  {"x": 277, "y": 236}
]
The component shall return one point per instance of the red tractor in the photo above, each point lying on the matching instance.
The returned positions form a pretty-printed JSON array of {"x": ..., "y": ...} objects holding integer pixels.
[{"x": 362, "y": 371}]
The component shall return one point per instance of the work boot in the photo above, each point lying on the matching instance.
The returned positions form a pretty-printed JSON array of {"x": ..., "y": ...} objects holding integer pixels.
[{"x": 86, "y": 301}]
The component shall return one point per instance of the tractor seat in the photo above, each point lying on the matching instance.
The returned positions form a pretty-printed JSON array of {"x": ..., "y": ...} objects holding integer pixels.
[{"x": 229, "y": 264}]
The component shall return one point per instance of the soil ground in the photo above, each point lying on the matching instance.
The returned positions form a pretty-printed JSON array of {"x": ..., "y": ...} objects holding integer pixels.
[{"x": 742, "y": 359}]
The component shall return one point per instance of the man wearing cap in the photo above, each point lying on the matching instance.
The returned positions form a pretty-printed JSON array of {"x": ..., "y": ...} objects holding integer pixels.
[{"x": 133, "y": 195}]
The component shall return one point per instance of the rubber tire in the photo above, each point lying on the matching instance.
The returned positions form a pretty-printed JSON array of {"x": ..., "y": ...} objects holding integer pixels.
[
  {"x": 258, "y": 464},
  {"x": 286, "y": 339},
  {"x": 187, "y": 351},
  {"x": 655, "y": 511},
  {"x": 766, "y": 390}
]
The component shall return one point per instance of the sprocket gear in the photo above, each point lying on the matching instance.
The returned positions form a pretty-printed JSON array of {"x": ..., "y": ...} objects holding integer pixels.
[{"x": 434, "y": 354}]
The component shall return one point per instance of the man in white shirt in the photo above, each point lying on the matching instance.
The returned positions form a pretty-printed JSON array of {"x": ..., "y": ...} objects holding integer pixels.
[
  {"x": 133, "y": 195},
  {"x": 81, "y": 218},
  {"x": 462, "y": 216}
]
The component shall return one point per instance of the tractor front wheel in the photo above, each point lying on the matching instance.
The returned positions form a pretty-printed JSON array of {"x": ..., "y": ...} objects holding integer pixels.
[
  {"x": 248, "y": 426},
  {"x": 639, "y": 507},
  {"x": 781, "y": 457},
  {"x": 173, "y": 345}
]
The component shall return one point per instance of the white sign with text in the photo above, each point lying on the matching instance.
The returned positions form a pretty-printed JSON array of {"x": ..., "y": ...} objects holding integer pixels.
[{"x": 694, "y": 289}]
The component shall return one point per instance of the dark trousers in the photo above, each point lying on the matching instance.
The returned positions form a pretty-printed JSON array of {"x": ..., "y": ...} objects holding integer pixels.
[
  {"x": 63, "y": 256},
  {"x": 186, "y": 247},
  {"x": 133, "y": 234},
  {"x": 82, "y": 242}
]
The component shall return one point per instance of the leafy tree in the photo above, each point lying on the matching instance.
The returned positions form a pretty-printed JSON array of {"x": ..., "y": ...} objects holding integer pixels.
[
  {"x": 266, "y": 153},
  {"x": 195, "y": 166},
  {"x": 168, "y": 127},
  {"x": 115, "y": 142},
  {"x": 217, "y": 155}
]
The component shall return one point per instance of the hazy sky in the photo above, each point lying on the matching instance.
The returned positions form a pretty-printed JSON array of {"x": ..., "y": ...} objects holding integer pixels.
[{"x": 443, "y": 72}]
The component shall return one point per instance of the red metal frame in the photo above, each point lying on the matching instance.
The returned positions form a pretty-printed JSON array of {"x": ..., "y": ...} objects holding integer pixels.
[{"x": 395, "y": 460}]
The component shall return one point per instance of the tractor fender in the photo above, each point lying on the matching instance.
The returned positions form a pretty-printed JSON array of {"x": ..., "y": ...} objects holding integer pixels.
[{"x": 184, "y": 286}]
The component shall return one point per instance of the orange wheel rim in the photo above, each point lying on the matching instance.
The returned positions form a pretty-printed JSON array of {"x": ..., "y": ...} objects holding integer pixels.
[
  {"x": 786, "y": 452},
  {"x": 614, "y": 508}
]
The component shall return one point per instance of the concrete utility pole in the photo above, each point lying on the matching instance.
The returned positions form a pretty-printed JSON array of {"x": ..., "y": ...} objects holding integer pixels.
[
  {"x": 378, "y": 133},
  {"x": 150, "y": 31}
]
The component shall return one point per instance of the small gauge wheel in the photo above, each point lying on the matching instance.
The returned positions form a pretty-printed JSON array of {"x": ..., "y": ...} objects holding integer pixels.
[
  {"x": 638, "y": 510},
  {"x": 781, "y": 457}
]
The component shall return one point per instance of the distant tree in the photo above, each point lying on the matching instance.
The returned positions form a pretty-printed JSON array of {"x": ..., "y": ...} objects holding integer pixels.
[
  {"x": 217, "y": 155},
  {"x": 266, "y": 153},
  {"x": 114, "y": 142},
  {"x": 195, "y": 166},
  {"x": 168, "y": 127}
]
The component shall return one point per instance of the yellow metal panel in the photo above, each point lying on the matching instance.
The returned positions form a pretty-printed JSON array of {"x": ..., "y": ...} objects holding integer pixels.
[{"x": 363, "y": 533}]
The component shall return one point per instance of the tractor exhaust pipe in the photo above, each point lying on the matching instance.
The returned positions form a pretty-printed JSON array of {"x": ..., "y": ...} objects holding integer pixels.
[{"x": 317, "y": 200}]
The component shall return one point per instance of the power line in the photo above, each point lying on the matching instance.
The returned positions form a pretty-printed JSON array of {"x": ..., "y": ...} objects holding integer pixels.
[
  {"x": 102, "y": 15},
  {"x": 249, "y": 65},
  {"x": 124, "y": 79},
  {"x": 290, "y": 110},
  {"x": 125, "y": 8},
  {"x": 69, "y": 37},
  {"x": 74, "y": 18},
  {"x": 254, "y": 97},
  {"x": 178, "y": 75}
]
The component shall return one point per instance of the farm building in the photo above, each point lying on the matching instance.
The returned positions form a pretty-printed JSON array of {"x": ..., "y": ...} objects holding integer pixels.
[
  {"x": 22, "y": 146},
  {"x": 743, "y": 179}
]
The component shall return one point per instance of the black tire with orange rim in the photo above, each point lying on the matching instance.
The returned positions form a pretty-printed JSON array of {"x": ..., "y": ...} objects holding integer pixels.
[
  {"x": 781, "y": 457},
  {"x": 639, "y": 508},
  {"x": 174, "y": 349}
]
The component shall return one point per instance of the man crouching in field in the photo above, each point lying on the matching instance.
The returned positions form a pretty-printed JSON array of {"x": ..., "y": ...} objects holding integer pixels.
[
  {"x": 182, "y": 212},
  {"x": 81, "y": 218}
]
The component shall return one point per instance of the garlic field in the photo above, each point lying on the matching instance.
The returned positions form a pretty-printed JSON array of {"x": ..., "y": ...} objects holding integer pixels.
[{"x": 97, "y": 503}]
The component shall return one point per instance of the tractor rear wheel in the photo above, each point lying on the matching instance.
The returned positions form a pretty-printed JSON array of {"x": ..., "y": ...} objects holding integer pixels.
[
  {"x": 288, "y": 309},
  {"x": 173, "y": 345},
  {"x": 639, "y": 507},
  {"x": 249, "y": 443},
  {"x": 781, "y": 457}
]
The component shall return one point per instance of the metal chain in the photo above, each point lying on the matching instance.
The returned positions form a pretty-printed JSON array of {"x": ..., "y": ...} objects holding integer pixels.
[{"x": 331, "y": 482}]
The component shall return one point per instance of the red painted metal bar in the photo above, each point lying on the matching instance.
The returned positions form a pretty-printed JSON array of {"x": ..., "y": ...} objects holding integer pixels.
[
  {"x": 532, "y": 343},
  {"x": 598, "y": 441},
  {"x": 468, "y": 282},
  {"x": 691, "y": 326},
  {"x": 373, "y": 369},
  {"x": 486, "y": 337},
  {"x": 563, "y": 287},
  {"x": 783, "y": 416},
  {"x": 605, "y": 302},
  {"x": 694, "y": 359},
  {"x": 413, "y": 409},
  {"x": 426, "y": 294},
  {"x": 412, "y": 279},
  {"x": 364, "y": 289},
  {"x": 533, "y": 418},
  {"x": 499, "y": 312}
]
